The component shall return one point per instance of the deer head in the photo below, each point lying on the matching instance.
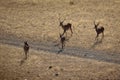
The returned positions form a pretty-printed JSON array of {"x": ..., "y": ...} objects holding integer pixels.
[
  {"x": 61, "y": 22},
  {"x": 96, "y": 25},
  {"x": 60, "y": 35},
  {"x": 25, "y": 42}
]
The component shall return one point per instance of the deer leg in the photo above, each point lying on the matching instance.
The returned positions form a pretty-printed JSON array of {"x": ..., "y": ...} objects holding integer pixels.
[
  {"x": 71, "y": 31},
  {"x": 96, "y": 36},
  {"x": 25, "y": 54},
  {"x": 64, "y": 32},
  {"x": 62, "y": 45},
  {"x": 102, "y": 34}
]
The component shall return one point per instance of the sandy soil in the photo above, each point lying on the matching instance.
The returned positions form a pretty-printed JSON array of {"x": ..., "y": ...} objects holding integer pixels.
[
  {"x": 36, "y": 21},
  {"x": 43, "y": 65}
]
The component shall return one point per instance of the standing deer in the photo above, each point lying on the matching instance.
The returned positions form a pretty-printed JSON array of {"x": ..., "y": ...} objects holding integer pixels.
[
  {"x": 62, "y": 41},
  {"x": 66, "y": 27},
  {"x": 98, "y": 30},
  {"x": 26, "y": 48}
]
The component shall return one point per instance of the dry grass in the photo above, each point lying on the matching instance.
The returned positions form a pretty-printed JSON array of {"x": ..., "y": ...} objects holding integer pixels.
[
  {"x": 39, "y": 22},
  {"x": 36, "y": 67}
]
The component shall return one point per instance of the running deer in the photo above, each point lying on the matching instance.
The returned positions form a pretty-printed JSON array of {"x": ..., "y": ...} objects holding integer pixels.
[
  {"x": 66, "y": 27},
  {"x": 26, "y": 48},
  {"x": 98, "y": 30}
]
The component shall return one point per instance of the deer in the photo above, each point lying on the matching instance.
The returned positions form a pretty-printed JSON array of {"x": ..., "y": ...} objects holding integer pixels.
[
  {"x": 98, "y": 30},
  {"x": 62, "y": 40},
  {"x": 26, "y": 48},
  {"x": 66, "y": 27}
]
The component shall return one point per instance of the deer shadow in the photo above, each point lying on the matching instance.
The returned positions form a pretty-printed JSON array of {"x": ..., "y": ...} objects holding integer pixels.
[
  {"x": 97, "y": 42},
  {"x": 61, "y": 50},
  {"x": 23, "y": 61}
]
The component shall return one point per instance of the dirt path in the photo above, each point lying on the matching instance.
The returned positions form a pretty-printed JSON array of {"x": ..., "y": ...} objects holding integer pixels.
[{"x": 73, "y": 51}]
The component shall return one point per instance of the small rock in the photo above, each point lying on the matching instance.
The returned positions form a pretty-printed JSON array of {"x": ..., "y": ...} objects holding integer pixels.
[
  {"x": 85, "y": 54},
  {"x": 28, "y": 72},
  {"x": 56, "y": 74},
  {"x": 61, "y": 69},
  {"x": 16, "y": 78},
  {"x": 50, "y": 67},
  {"x": 71, "y": 3},
  {"x": 38, "y": 75}
]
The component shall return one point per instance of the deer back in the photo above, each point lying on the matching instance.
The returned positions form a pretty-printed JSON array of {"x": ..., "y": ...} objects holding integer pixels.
[{"x": 67, "y": 26}]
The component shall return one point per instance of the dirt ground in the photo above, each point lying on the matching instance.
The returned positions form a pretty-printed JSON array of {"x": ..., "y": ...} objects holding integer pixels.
[
  {"x": 37, "y": 21},
  {"x": 42, "y": 65}
]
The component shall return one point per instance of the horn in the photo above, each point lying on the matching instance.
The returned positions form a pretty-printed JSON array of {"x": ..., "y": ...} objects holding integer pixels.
[
  {"x": 63, "y": 20},
  {"x": 98, "y": 23},
  {"x": 59, "y": 17},
  {"x": 60, "y": 35},
  {"x": 94, "y": 23}
]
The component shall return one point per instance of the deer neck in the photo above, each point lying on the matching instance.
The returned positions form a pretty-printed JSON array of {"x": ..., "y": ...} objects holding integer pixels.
[
  {"x": 96, "y": 28},
  {"x": 62, "y": 25}
]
